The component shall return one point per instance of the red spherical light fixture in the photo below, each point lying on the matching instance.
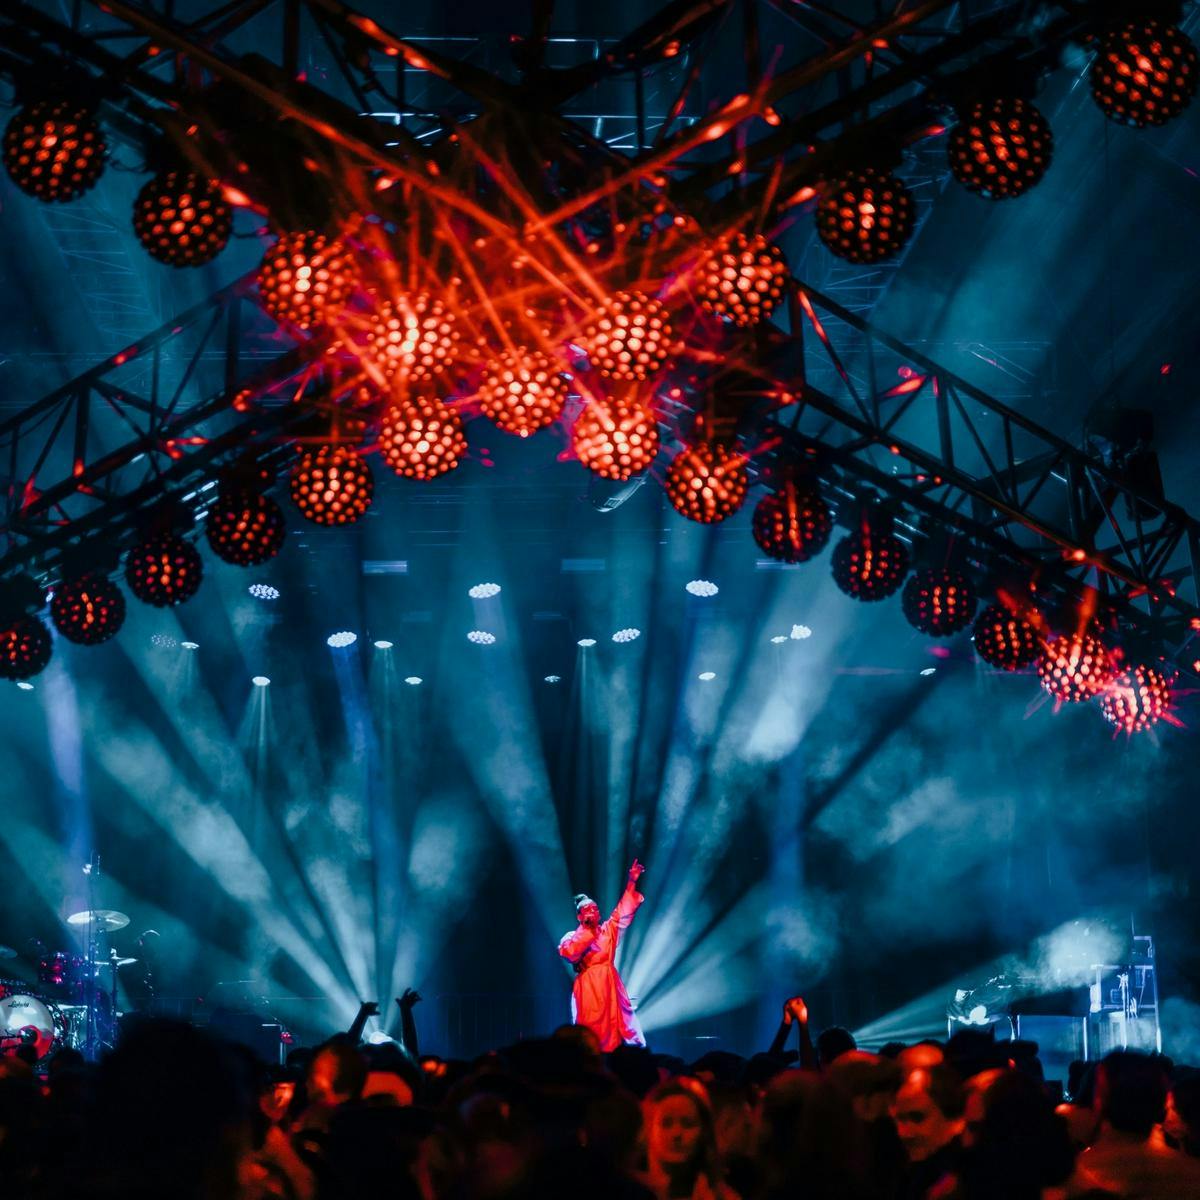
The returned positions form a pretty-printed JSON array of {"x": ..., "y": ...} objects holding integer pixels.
[
  {"x": 1144, "y": 73},
  {"x": 523, "y": 391},
  {"x": 182, "y": 218},
  {"x": 413, "y": 337},
  {"x": 939, "y": 601},
  {"x": 866, "y": 216},
  {"x": 332, "y": 485},
  {"x": 707, "y": 482},
  {"x": 25, "y": 648},
  {"x": 1136, "y": 699},
  {"x": 1006, "y": 640},
  {"x": 306, "y": 278},
  {"x": 422, "y": 438},
  {"x": 1000, "y": 147},
  {"x": 870, "y": 563},
  {"x": 794, "y": 523},
  {"x": 1075, "y": 667},
  {"x": 245, "y": 527},
  {"x": 630, "y": 338},
  {"x": 742, "y": 279},
  {"x": 54, "y": 149},
  {"x": 163, "y": 570},
  {"x": 616, "y": 439},
  {"x": 88, "y": 610}
]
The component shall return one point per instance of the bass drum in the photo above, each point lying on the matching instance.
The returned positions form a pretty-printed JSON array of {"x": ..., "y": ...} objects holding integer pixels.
[{"x": 25, "y": 1019}]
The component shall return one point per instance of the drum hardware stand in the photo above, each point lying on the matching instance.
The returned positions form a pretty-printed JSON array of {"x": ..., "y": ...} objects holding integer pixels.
[{"x": 91, "y": 1043}]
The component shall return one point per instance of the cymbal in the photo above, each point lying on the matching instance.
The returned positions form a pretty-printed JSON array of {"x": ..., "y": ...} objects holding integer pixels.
[
  {"x": 112, "y": 962},
  {"x": 107, "y": 920},
  {"x": 7, "y": 952}
]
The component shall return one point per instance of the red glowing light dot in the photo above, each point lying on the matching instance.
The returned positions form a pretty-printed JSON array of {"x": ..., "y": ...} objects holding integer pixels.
[
  {"x": 332, "y": 485},
  {"x": 54, "y": 150},
  {"x": 422, "y": 438},
  {"x": 866, "y": 217},
  {"x": 742, "y": 279},
  {"x": 523, "y": 391},
  {"x": 615, "y": 439},
  {"x": 707, "y": 483},
  {"x": 629, "y": 338}
]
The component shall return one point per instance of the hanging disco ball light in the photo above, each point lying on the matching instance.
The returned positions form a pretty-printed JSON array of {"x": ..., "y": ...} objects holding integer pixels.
[
  {"x": 615, "y": 439},
  {"x": 422, "y": 438},
  {"x": 1144, "y": 73},
  {"x": 870, "y": 563},
  {"x": 523, "y": 391},
  {"x": 631, "y": 337},
  {"x": 54, "y": 149},
  {"x": 332, "y": 485},
  {"x": 794, "y": 523},
  {"x": 182, "y": 218},
  {"x": 1005, "y": 640},
  {"x": 306, "y": 278},
  {"x": 742, "y": 279},
  {"x": 1137, "y": 699},
  {"x": 163, "y": 569},
  {"x": 707, "y": 482},
  {"x": 939, "y": 601},
  {"x": 412, "y": 337},
  {"x": 88, "y": 610},
  {"x": 1075, "y": 667},
  {"x": 866, "y": 217},
  {"x": 245, "y": 527},
  {"x": 25, "y": 648},
  {"x": 1000, "y": 147}
]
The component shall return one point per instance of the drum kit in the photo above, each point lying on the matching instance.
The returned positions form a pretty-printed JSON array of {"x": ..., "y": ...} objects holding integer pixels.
[{"x": 74, "y": 1002}]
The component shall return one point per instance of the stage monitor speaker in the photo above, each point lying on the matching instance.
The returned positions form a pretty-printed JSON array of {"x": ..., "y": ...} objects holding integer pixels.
[{"x": 1060, "y": 1041}]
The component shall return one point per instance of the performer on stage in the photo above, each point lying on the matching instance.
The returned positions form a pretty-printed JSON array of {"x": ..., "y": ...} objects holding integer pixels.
[{"x": 599, "y": 999}]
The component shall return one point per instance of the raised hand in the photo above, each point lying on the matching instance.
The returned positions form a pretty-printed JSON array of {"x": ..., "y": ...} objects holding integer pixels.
[
  {"x": 794, "y": 1009},
  {"x": 636, "y": 872},
  {"x": 411, "y": 996}
]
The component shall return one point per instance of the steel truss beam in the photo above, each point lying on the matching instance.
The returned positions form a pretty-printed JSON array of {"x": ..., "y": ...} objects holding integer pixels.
[{"x": 956, "y": 458}]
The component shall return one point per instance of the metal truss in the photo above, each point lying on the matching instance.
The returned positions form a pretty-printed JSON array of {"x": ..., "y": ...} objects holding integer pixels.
[
  {"x": 954, "y": 458},
  {"x": 157, "y": 420}
]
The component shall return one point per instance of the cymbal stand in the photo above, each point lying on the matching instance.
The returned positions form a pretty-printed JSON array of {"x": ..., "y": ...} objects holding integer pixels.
[{"x": 91, "y": 1043}]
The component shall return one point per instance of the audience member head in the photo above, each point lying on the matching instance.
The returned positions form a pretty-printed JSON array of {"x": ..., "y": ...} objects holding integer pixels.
[
  {"x": 928, "y": 1111},
  {"x": 1131, "y": 1092},
  {"x": 634, "y": 1066},
  {"x": 1183, "y": 1111},
  {"x": 680, "y": 1134},
  {"x": 920, "y": 1056},
  {"x": 832, "y": 1043},
  {"x": 336, "y": 1073},
  {"x": 867, "y": 1081}
]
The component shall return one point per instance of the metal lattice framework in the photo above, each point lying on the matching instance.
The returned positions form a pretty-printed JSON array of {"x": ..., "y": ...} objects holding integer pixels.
[{"x": 192, "y": 398}]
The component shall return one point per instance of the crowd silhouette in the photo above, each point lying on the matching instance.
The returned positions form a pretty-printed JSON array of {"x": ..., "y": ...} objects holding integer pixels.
[{"x": 175, "y": 1112}]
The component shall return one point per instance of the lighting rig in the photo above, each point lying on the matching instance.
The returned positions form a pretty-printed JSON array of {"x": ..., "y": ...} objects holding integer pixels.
[{"x": 499, "y": 258}]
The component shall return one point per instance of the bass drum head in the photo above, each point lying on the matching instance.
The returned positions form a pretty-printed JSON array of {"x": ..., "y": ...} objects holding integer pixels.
[{"x": 25, "y": 1019}]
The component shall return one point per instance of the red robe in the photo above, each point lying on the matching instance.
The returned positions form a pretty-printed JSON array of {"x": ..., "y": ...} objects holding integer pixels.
[{"x": 599, "y": 999}]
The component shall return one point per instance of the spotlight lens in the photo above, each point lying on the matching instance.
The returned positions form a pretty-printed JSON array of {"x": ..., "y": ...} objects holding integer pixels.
[
  {"x": 800, "y": 632},
  {"x": 383, "y": 645},
  {"x": 482, "y": 591},
  {"x": 702, "y": 587},
  {"x": 263, "y": 591},
  {"x": 627, "y": 635},
  {"x": 586, "y": 642},
  {"x": 341, "y": 639},
  {"x": 707, "y": 675},
  {"x": 549, "y": 679},
  {"x": 412, "y": 680},
  {"x": 481, "y": 637},
  {"x": 929, "y": 671},
  {"x": 260, "y": 681},
  {"x": 779, "y": 639},
  {"x": 25, "y": 685},
  {"x": 190, "y": 645}
]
